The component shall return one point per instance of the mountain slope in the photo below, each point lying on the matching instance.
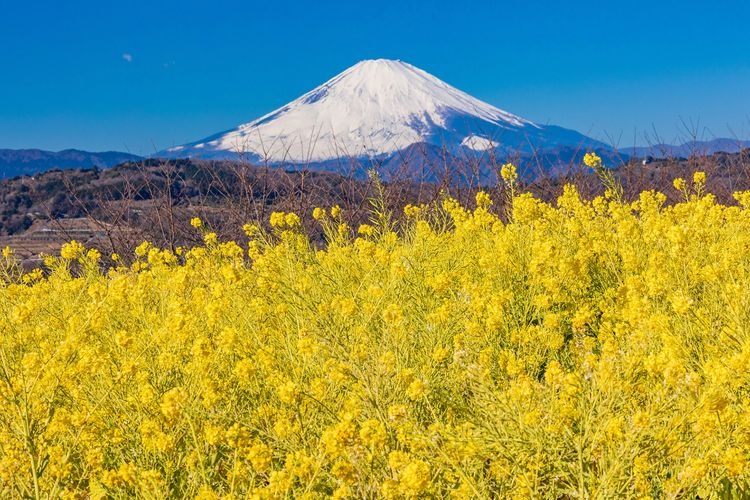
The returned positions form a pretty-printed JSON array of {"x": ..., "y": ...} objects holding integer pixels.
[
  {"x": 15, "y": 162},
  {"x": 373, "y": 110}
]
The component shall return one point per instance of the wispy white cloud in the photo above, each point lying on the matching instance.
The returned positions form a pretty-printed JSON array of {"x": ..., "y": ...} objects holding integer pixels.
[{"x": 127, "y": 57}]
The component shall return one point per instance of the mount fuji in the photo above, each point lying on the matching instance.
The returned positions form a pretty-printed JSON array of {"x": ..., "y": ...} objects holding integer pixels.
[{"x": 386, "y": 112}]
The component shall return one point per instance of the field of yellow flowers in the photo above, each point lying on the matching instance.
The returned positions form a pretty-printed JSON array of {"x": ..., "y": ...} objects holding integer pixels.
[{"x": 584, "y": 349}]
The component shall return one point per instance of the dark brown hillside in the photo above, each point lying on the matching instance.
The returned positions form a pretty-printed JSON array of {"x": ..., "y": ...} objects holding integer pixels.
[{"x": 155, "y": 200}]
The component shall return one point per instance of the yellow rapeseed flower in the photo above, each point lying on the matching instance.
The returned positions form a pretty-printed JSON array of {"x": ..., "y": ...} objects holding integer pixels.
[
  {"x": 455, "y": 355},
  {"x": 72, "y": 250},
  {"x": 592, "y": 160},
  {"x": 508, "y": 173}
]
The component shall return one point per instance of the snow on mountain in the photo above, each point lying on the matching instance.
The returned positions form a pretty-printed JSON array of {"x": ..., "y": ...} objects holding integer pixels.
[
  {"x": 375, "y": 109},
  {"x": 479, "y": 143}
]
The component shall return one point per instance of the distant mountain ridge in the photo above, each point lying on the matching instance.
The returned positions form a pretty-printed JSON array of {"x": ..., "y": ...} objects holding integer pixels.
[
  {"x": 688, "y": 148},
  {"x": 14, "y": 162}
]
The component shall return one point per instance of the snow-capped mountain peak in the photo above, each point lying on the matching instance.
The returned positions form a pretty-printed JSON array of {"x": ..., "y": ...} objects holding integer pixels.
[
  {"x": 397, "y": 90},
  {"x": 373, "y": 108}
]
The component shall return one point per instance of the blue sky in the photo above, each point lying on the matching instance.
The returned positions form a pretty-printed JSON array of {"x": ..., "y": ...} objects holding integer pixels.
[{"x": 141, "y": 76}]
